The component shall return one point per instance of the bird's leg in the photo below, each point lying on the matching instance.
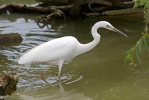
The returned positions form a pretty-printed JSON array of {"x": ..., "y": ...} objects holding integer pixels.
[
  {"x": 42, "y": 75},
  {"x": 60, "y": 64},
  {"x": 59, "y": 75}
]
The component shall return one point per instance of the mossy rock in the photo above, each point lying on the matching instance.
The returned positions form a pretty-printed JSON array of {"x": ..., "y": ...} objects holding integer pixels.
[
  {"x": 8, "y": 84},
  {"x": 10, "y": 37}
]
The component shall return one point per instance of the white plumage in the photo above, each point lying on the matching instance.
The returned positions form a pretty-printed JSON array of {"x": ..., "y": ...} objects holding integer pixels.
[
  {"x": 51, "y": 51},
  {"x": 59, "y": 50}
]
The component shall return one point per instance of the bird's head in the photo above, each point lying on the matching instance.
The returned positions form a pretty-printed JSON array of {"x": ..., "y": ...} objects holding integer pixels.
[{"x": 108, "y": 26}]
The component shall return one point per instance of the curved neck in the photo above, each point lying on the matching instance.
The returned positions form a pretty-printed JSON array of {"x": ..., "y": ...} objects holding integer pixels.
[{"x": 87, "y": 47}]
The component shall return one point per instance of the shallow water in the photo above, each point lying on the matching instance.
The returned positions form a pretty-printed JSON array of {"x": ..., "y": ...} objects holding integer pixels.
[{"x": 100, "y": 74}]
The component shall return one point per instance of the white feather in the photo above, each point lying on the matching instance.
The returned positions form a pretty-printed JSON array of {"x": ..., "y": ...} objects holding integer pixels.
[{"x": 51, "y": 51}]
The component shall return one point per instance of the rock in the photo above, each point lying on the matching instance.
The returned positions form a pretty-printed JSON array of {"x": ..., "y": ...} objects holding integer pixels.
[
  {"x": 8, "y": 84},
  {"x": 10, "y": 37}
]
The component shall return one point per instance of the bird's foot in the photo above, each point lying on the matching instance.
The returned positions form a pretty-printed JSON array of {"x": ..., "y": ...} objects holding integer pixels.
[
  {"x": 58, "y": 78},
  {"x": 42, "y": 77}
]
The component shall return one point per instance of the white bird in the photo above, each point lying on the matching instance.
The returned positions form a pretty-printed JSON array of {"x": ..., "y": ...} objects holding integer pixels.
[{"x": 63, "y": 49}]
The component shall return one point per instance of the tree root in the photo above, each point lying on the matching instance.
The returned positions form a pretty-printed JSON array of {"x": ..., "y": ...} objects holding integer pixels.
[
  {"x": 74, "y": 9},
  {"x": 55, "y": 14}
]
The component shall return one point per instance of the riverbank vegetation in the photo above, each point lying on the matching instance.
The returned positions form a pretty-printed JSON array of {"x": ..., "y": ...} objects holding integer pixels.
[{"x": 143, "y": 42}]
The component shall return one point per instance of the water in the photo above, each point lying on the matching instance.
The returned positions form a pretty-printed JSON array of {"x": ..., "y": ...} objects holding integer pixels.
[{"x": 100, "y": 74}]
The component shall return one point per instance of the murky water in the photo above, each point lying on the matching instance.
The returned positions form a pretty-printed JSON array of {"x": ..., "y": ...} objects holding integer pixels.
[{"x": 100, "y": 74}]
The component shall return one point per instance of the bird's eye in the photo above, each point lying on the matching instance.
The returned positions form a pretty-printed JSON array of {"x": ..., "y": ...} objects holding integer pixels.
[{"x": 108, "y": 26}]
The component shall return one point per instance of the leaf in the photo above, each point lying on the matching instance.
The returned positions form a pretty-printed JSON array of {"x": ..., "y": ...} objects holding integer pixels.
[
  {"x": 136, "y": 4},
  {"x": 140, "y": 45},
  {"x": 138, "y": 57},
  {"x": 126, "y": 58},
  {"x": 146, "y": 44},
  {"x": 130, "y": 58}
]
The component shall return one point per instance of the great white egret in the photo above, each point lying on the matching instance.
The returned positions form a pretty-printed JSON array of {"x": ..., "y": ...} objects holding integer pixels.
[{"x": 63, "y": 49}]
